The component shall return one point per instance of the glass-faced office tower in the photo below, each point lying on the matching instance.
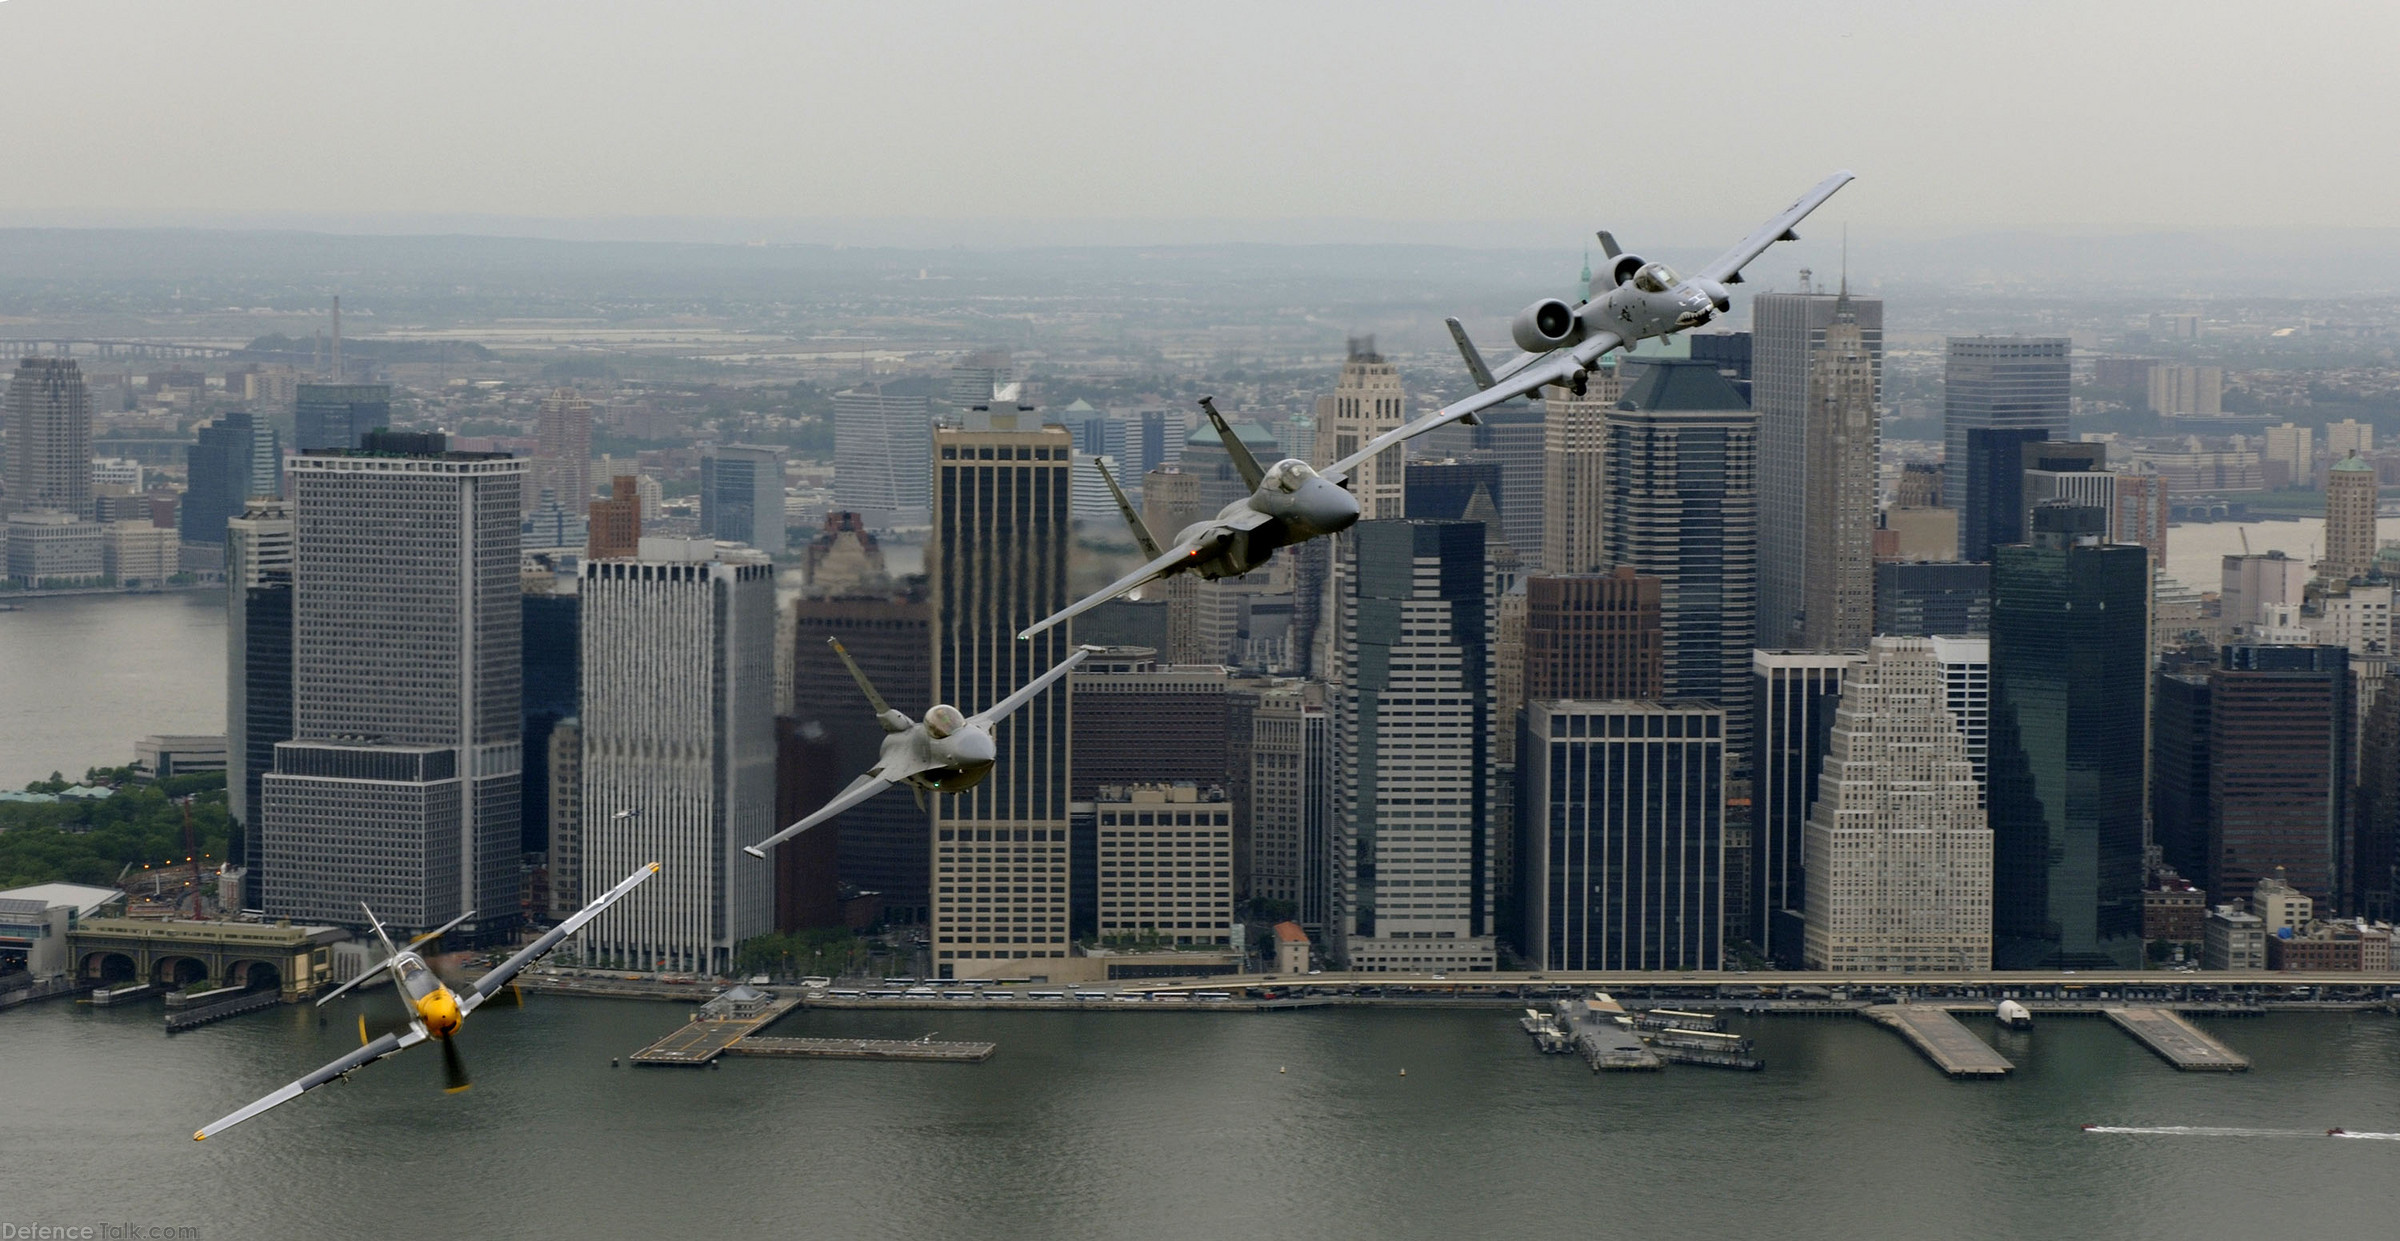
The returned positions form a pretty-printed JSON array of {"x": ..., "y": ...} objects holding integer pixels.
[{"x": 2070, "y": 653}]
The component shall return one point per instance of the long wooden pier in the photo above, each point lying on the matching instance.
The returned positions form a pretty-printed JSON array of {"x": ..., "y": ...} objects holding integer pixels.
[
  {"x": 1952, "y": 1047},
  {"x": 2177, "y": 1041}
]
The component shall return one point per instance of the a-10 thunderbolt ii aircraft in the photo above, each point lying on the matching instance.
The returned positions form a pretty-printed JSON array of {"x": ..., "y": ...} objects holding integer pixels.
[
  {"x": 1291, "y": 503},
  {"x": 434, "y": 1010},
  {"x": 946, "y": 752}
]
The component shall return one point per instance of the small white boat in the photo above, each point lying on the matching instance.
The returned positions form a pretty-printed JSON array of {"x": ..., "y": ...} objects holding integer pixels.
[{"x": 2013, "y": 1015}]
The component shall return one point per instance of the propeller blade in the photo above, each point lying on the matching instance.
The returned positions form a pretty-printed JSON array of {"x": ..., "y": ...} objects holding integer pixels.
[
  {"x": 517, "y": 993},
  {"x": 362, "y": 1029},
  {"x": 454, "y": 1070}
]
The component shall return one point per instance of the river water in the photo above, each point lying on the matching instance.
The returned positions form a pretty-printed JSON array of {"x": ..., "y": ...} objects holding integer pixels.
[
  {"x": 1189, "y": 1125},
  {"x": 83, "y": 677}
]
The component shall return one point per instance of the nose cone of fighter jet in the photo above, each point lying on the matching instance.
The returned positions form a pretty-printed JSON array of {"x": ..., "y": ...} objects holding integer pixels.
[
  {"x": 973, "y": 747},
  {"x": 1327, "y": 507}
]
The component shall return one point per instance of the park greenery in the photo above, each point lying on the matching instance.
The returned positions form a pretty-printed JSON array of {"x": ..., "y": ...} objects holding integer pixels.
[
  {"x": 833, "y": 952},
  {"x": 95, "y": 841}
]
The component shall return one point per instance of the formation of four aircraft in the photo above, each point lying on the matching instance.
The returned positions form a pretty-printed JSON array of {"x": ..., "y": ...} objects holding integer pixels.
[{"x": 1289, "y": 503}]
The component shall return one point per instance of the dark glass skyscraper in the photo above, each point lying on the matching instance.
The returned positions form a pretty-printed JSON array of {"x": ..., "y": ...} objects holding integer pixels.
[
  {"x": 1683, "y": 508},
  {"x": 553, "y": 692},
  {"x": 1992, "y": 513},
  {"x": 1933, "y": 599},
  {"x": 232, "y": 460},
  {"x": 2280, "y": 748},
  {"x": 883, "y": 846},
  {"x": 335, "y": 415},
  {"x": 2070, "y": 653}
]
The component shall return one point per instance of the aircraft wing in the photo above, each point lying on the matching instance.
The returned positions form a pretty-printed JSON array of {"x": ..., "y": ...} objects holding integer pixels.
[
  {"x": 1523, "y": 380},
  {"x": 366, "y": 1055},
  {"x": 488, "y": 984},
  {"x": 1728, "y": 266},
  {"x": 861, "y": 789},
  {"x": 1006, "y": 707},
  {"x": 1174, "y": 560}
]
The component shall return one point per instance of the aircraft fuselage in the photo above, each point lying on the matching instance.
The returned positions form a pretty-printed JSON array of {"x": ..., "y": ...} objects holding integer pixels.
[
  {"x": 1300, "y": 506},
  {"x": 955, "y": 762}
]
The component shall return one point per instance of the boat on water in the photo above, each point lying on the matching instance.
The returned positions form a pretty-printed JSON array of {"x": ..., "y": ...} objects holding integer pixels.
[{"x": 2014, "y": 1016}]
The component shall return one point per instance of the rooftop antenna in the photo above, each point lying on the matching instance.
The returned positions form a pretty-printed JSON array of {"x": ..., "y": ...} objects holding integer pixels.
[
  {"x": 1808, "y": 281},
  {"x": 337, "y": 338},
  {"x": 1845, "y": 261}
]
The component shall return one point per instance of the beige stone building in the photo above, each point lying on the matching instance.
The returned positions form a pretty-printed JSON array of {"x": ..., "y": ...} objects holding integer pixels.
[
  {"x": 1165, "y": 856},
  {"x": 1367, "y": 402},
  {"x": 1898, "y": 852}
]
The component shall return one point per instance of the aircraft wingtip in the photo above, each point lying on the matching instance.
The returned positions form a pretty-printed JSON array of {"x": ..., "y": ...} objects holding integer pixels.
[
  {"x": 752, "y": 850},
  {"x": 200, "y": 1135}
]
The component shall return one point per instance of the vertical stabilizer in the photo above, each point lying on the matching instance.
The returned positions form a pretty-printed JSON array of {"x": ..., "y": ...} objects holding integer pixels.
[{"x": 1243, "y": 463}]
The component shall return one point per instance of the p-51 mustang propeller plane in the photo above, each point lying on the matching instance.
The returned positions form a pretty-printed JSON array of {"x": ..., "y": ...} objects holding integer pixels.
[
  {"x": 1291, "y": 503},
  {"x": 434, "y": 1010},
  {"x": 946, "y": 752}
]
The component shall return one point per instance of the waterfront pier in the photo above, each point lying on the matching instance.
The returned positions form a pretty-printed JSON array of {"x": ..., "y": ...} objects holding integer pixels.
[
  {"x": 705, "y": 1037},
  {"x": 864, "y": 1049},
  {"x": 2177, "y": 1041},
  {"x": 1940, "y": 1038}
]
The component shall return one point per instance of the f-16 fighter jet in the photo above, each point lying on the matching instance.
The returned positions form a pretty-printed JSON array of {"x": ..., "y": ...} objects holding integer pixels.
[
  {"x": 1291, "y": 503},
  {"x": 946, "y": 752},
  {"x": 434, "y": 1010}
]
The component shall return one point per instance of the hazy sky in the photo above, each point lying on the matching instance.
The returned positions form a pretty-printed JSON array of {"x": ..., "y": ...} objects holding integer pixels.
[{"x": 1445, "y": 120}]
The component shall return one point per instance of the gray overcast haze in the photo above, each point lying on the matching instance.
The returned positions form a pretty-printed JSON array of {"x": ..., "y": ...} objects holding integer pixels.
[{"x": 1062, "y": 122}]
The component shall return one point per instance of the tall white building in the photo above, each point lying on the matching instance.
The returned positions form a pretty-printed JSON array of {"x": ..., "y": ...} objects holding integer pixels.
[
  {"x": 1291, "y": 800},
  {"x": 2295, "y": 446},
  {"x": 678, "y": 726},
  {"x": 1967, "y": 692},
  {"x": 563, "y": 451},
  {"x": 1366, "y": 403},
  {"x": 1899, "y": 855},
  {"x": 882, "y": 446},
  {"x": 2349, "y": 436},
  {"x": 1412, "y": 745}
]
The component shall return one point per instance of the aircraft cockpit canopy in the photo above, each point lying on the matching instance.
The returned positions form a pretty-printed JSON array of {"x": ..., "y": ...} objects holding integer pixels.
[
  {"x": 944, "y": 720},
  {"x": 1656, "y": 278},
  {"x": 1287, "y": 475}
]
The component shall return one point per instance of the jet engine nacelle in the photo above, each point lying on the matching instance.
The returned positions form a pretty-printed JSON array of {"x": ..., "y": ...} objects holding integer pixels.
[
  {"x": 1622, "y": 268},
  {"x": 1546, "y": 325}
]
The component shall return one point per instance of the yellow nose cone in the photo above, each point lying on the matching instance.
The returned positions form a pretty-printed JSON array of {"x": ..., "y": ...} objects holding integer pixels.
[{"x": 439, "y": 1012}]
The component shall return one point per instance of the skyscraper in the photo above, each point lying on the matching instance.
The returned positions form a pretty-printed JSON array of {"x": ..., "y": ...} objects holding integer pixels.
[
  {"x": 1575, "y": 477},
  {"x": 563, "y": 449},
  {"x": 881, "y": 465},
  {"x": 678, "y": 730},
  {"x": 2001, "y": 383},
  {"x": 741, "y": 496},
  {"x": 1925, "y": 598},
  {"x": 1292, "y": 800},
  {"x": 1516, "y": 434},
  {"x": 407, "y": 627},
  {"x": 1683, "y": 508},
  {"x": 1992, "y": 484},
  {"x": 2280, "y": 748},
  {"x": 1413, "y": 737},
  {"x": 553, "y": 652},
  {"x": 1593, "y": 637},
  {"x": 1125, "y": 702},
  {"x": 1367, "y": 402},
  {"x": 2350, "y": 495},
  {"x": 336, "y": 415},
  {"x": 997, "y": 563},
  {"x": 258, "y": 666},
  {"x": 223, "y": 473},
  {"x": 2070, "y": 653},
  {"x": 1794, "y": 695},
  {"x": 1624, "y": 808},
  {"x": 49, "y": 438},
  {"x": 1899, "y": 859},
  {"x": 1816, "y": 368}
]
